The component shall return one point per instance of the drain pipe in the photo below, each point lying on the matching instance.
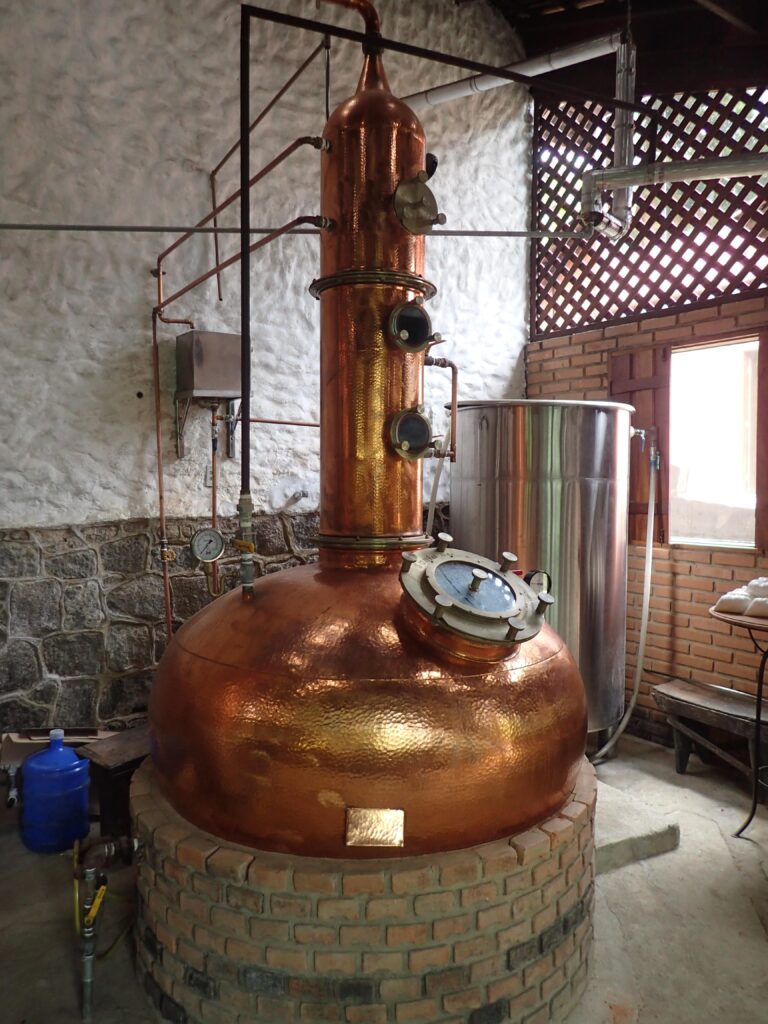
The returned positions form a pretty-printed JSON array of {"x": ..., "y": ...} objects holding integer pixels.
[
  {"x": 623, "y": 134},
  {"x": 594, "y": 182},
  {"x": 654, "y": 464},
  {"x": 564, "y": 57}
]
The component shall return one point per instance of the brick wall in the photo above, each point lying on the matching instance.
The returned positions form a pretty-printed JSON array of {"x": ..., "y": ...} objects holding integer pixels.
[
  {"x": 683, "y": 640},
  {"x": 229, "y": 935}
]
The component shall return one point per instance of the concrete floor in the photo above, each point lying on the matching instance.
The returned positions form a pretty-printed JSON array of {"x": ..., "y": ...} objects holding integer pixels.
[{"x": 680, "y": 938}]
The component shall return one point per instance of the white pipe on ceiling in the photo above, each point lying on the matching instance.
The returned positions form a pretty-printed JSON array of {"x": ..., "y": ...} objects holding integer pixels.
[{"x": 563, "y": 57}]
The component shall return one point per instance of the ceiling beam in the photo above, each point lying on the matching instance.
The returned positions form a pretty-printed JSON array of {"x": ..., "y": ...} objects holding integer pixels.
[{"x": 724, "y": 12}]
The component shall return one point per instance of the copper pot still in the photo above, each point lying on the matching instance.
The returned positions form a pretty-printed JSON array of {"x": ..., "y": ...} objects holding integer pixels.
[{"x": 395, "y": 698}]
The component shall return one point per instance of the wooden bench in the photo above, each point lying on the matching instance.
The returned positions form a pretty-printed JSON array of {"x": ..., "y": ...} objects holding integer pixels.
[
  {"x": 687, "y": 703},
  {"x": 113, "y": 762}
]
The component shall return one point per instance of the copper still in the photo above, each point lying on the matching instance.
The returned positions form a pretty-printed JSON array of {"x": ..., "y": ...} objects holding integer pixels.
[{"x": 395, "y": 698}]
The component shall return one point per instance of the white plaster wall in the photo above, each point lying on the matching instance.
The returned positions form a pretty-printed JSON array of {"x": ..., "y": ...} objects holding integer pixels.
[{"x": 114, "y": 111}]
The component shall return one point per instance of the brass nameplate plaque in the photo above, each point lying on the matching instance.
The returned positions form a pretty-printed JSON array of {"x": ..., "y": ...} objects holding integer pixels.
[{"x": 375, "y": 826}]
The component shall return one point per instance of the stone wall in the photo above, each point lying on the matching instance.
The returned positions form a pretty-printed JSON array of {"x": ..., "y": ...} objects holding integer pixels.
[
  {"x": 497, "y": 933},
  {"x": 82, "y": 616},
  {"x": 82, "y": 621}
]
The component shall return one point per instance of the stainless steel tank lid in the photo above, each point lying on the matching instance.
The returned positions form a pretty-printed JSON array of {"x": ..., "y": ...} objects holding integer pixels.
[{"x": 501, "y": 403}]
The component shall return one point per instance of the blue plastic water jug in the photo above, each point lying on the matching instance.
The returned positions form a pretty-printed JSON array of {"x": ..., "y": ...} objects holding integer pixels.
[{"x": 54, "y": 810}]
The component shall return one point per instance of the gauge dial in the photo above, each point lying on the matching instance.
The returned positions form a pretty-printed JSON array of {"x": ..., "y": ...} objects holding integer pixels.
[
  {"x": 207, "y": 544},
  {"x": 475, "y": 589}
]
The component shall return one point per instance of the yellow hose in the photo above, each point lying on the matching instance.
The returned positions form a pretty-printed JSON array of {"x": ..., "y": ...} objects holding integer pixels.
[{"x": 75, "y": 859}]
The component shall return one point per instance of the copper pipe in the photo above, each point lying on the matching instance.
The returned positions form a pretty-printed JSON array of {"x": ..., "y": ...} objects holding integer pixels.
[
  {"x": 304, "y": 140},
  {"x": 284, "y": 423},
  {"x": 447, "y": 364},
  {"x": 275, "y": 99},
  {"x": 365, "y": 9},
  {"x": 214, "y": 485},
  {"x": 317, "y": 221}
]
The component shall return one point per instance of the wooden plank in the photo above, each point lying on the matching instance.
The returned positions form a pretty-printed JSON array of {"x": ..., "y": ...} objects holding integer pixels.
[
  {"x": 119, "y": 749},
  {"x": 707, "y": 697}
]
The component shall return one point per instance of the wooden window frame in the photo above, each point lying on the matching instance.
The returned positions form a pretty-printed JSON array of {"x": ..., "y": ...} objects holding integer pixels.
[{"x": 649, "y": 391}]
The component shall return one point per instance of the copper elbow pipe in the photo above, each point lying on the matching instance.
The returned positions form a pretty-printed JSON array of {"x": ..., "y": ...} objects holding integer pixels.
[{"x": 365, "y": 9}]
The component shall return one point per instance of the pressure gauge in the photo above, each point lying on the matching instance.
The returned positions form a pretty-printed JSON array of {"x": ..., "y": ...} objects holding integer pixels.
[
  {"x": 473, "y": 596},
  {"x": 207, "y": 544}
]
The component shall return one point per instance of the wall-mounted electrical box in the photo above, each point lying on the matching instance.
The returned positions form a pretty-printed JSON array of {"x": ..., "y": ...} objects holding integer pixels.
[
  {"x": 207, "y": 370},
  {"x": 207, "y": 365}
]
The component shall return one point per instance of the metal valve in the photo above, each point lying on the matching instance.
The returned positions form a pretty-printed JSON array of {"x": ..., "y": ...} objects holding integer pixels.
[
  {"x": 444, "y": 540},
  {"x": 478, "y": 575}
]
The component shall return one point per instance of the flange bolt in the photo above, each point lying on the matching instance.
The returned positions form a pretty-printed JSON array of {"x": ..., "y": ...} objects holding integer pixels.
[
  {"x": 515, "y": 626},
  {"x": 478, "y": 575},
  {"x": 444, "y": 540},
  {"x": 408, "y": 560},
  {"x": 507, "y": 561},
  {"x": 545, "y": 601},
  {"x": 442, "y": 604}
]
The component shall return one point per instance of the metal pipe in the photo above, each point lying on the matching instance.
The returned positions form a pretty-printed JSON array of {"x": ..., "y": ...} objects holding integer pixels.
[
  {"x": 365, "y": 9},
  {"x": 214, "y": 486},
  {"x": 277, "y": 233},
  {"x": 564, "y": 56},
  {"x": 623, "y": 137},
  {"x": 139, "y": 229},
  {"x": 596, "y": 181},
  {"x": 245, "y": 504},
  {"x": 436, "y": 56},
  {"x": 304, "y": 140},
  {"x": 447, "y": 364}
]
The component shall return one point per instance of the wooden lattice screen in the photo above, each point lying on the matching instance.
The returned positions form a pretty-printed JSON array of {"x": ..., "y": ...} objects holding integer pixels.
[{"x": 690, "y": 243}]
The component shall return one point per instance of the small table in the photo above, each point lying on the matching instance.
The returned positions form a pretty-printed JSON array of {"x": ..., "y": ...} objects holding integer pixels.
[
  {"x": 113, "y": 762},
  {"x": 753, "y": 626}
]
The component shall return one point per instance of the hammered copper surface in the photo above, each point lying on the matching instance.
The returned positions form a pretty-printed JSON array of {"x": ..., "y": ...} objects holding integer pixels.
[
  {"x": 367, "y": 489},
  {"x": 375, "y": 826},
  {"x": 271, "y": 716}
]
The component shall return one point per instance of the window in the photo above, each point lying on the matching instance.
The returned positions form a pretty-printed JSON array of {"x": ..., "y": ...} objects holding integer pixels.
[
  {"x": 708, "y": 405},
  {"x": 712, "y": 443}
]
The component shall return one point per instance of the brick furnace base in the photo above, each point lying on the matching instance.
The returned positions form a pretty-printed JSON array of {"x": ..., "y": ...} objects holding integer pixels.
[{"x": 228, "y": 935}]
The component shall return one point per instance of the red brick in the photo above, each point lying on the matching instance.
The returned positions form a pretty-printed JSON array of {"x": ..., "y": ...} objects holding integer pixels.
[
  {"x": 369, "y": 884},
  {"x": 375, "y": 1013},
  {"x": 460, "y": 870},
  {"x": 486, "y": 892},
  {"x": 194, "y": 907},
  {"x": 470, "y": 949},
  {"x": 315, "y": 935},
  {"x": 527, "y": 905},
  {"x": 493, "y": 916},
  {"x": 505, "y": 988},
  {"x": 193, "y": 852},
  {"x": 229, "y": 921},
  {"x": 469, "y": 999},
  {"x": 387, "y": 909},
  {"x": 433, "y": 903},
  {"x": 292, "y": 907},
  {"x": 525, "y": 1001},
  {"x": 231, "y": 865},
  {"x": 287, "y": 959},
  {"x": 167, "y": 837},
  {"x": 502, "y": 860},
  {"x": 320, "y": 1011},
  {"x": 245, "y": 899},
  {"x": 315, "y": 881},
  {"x": 203, "y": 886},
  {"x": 531, "y": 846},
  {"x": 391, "y": 963},
  {"x": 209, "y": 940},
  {"x": 450, "y": 926},
  {"x": 180, "y": 924},
  {"x": 336, "y": 963},
  {"x": 446, "y": 981},
  {"x": 266, "y": 931},
  {"x": 407, "y": 882},
  {"x": 407, "y": 934},
  {"x": 338, "y": 910},
  {"x": 370, "y": 935},
  {"x": 273, "y": 1010},
  {"x": 489, "y": 967},
  {"x": 432, "y": 957},
  {"x": 513, "y": 936},
  {"x": 274, "y": 876},
  {"x": 421, "y": 1009},
  {"x": 246, "y": 952}
]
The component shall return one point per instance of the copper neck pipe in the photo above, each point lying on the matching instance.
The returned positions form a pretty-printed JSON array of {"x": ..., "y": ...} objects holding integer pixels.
[
  {"x": 371, "y": 495},
  {"x": 365, "y": 9}
]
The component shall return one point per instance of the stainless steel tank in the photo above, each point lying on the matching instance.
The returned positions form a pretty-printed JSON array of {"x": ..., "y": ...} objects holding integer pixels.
[{"x": 549, "y": 481}]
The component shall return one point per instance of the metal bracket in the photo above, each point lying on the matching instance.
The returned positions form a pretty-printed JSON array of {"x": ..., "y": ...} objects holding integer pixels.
[
  {"x": 181, "y": 408},
  {"x": 233, "y": 414}
]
